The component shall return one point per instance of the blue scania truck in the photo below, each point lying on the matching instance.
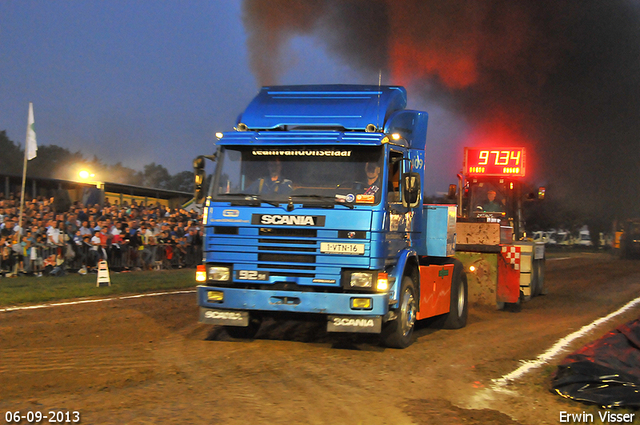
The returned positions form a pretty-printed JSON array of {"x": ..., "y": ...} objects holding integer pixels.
[{"x": 316, "y": 210}]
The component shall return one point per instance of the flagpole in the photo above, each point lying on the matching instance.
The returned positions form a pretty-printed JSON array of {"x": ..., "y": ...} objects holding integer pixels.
[
  {"x": 24, "y": 178},
  {"x": 24, "y": 172}
]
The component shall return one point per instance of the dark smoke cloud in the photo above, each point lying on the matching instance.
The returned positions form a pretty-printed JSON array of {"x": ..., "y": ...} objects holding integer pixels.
[{"x": 561, "y": 78}]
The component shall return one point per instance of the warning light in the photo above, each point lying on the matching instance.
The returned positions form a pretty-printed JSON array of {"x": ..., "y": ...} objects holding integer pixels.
[
  {"x": 201, "y": 274},
  {"x": 383, "y": 282},
  {"x": 497, "y": 162},
  {"x": 541, "y": 192}
]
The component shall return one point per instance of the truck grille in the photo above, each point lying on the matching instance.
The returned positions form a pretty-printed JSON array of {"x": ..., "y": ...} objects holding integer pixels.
[
  {"x": 285, "y": 248},
  {"x": 280, "y": 266},
  {"x": 288, "y": 255},
  {"x": 287, "y": 258},
  {"x": 288, "y": 241},
  {"x": 291, "y": 274},
  {"x": 287, "y": 264},
  {"x": 301, "y": 233}
]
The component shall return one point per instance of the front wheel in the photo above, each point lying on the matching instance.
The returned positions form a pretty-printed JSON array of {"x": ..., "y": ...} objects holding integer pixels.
[{"x": 399, "y": 332}]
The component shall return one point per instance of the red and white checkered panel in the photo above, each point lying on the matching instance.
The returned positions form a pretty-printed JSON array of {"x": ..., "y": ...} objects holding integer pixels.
[{"x": 511, "y": 254}]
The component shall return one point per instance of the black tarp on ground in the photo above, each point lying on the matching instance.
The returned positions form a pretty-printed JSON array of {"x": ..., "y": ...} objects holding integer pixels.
[{"x": 605, "y": 372}]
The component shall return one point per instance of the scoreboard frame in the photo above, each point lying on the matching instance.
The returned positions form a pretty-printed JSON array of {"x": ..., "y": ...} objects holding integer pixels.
[{"x": 495, "y": 162}]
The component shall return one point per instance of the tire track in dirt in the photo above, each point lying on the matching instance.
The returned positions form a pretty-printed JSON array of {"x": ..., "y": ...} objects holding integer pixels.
[{"x": 46, "y": 359}]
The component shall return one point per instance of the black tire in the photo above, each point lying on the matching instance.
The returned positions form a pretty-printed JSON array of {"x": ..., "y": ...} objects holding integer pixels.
[
  {"x": 398, "y": 333},
  {"x": 245, "y": 332},
  {"x": 459, "y": 307},
  {"x": 534, "y": 285},
  {"x": 539, "y": 277}
]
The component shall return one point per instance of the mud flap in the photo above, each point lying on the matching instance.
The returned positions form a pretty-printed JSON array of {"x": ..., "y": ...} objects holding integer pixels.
[
  {"x": 359, "y": 324},
  {"x": 224, "y": 317}
]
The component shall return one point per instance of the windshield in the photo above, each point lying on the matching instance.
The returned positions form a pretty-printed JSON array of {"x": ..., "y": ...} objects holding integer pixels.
[
  {"x": 349, "y": 174},
  {"x": 487, "y": 199}
]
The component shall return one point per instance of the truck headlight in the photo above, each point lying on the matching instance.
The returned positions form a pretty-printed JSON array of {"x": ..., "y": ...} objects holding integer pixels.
[
  {"x": 361, "y": 280},
  {"x": 219, "y": 273}
]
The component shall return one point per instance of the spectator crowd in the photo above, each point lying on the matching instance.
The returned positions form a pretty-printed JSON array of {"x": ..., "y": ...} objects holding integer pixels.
[{"x": 128, "y": 236}]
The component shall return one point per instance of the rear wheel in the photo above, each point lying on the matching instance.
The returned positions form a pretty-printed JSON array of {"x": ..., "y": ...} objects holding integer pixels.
[
  {"x": 538, "y": 278},
  {"x": 459, "y": 307},
  {"x": 533, "y": 286},
  {"x": 399, "y": 332}
]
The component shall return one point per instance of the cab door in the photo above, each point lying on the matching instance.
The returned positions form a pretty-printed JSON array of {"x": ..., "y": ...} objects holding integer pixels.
[{"x": 400, "y": 218}]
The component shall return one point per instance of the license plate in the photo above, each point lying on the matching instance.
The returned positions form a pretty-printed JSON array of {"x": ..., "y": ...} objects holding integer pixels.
[
  {"x": 224, "y": 317},
  {"x": 251, "y": 275},
  {"x": 342, "y": 248}
]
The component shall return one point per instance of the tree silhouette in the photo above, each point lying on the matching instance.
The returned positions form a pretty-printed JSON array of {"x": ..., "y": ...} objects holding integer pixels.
[
  {"x": 12, "y": 155},
  {"x": 59, "y": 163}
]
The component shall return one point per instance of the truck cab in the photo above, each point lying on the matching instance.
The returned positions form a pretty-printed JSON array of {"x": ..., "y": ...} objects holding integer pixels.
[{"x": 316, "y": 209}]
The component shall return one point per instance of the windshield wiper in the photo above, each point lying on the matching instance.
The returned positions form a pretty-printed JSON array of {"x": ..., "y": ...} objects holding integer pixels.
[
  {"x": 251, "y": 197},
  {"x": 333, "y": 200}
]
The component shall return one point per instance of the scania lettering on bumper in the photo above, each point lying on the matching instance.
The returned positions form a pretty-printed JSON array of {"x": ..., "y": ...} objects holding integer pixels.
[
  {"x": 361, "y": 324},
  {"x": 224, "y": 317}
]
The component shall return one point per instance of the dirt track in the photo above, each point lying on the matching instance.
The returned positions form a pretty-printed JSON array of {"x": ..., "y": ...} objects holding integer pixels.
[{"x": 148, "y": 360}]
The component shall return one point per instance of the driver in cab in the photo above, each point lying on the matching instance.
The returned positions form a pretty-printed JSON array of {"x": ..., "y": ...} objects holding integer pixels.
[
  {"x": 491, "y": 205},
  {"x": 372, "y": 185},
  {"x": 274, "y": 183}
]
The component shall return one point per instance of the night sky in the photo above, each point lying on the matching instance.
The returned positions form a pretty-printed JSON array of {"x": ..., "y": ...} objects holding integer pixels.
[{"x": 139, "y": 82}]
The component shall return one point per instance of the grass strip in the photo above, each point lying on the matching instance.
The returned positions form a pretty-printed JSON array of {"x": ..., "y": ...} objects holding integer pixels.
[{"x": 29, "y": 289}]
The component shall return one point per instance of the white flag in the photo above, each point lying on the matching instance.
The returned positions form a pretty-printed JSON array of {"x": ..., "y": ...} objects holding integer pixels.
[{"x": 31, "y": 145}]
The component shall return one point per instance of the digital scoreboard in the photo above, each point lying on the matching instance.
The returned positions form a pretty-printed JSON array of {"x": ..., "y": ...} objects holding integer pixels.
[{"x": 494, "y": 162}]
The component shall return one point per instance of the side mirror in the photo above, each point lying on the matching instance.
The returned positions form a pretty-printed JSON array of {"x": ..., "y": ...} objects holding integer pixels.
[
  {"x": 452, "y": 191},
  {"x": 411, "y": 190},
  {"x": 199, "y": 176}
]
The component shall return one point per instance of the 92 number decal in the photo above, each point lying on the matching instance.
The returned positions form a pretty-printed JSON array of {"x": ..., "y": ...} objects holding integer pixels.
[{"x": 252, "y": 275}]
